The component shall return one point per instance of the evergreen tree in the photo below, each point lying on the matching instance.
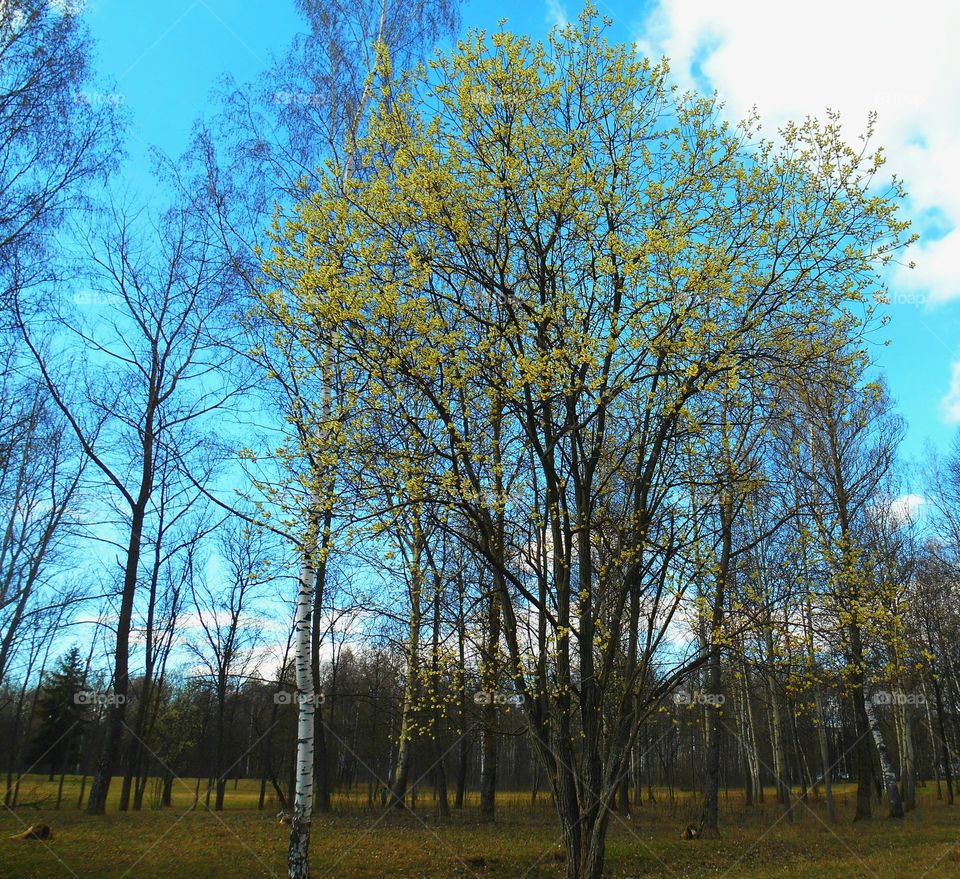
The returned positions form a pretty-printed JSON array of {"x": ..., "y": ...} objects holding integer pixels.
[{"x": 63, "y": 714}]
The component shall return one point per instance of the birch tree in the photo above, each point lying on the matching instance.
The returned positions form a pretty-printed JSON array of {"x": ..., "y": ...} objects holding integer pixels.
[
  {"x": 59, "y": 136},
  {"x": 309, "y": 109},
  {"x": 854, "y": 438}
]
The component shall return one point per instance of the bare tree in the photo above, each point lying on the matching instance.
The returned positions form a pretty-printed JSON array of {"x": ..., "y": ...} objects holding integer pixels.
[
  {"x": 59, "y": 134},
  {"x": 151, "y": 368},
  {"x": 39, "y": 478},
  {"x": 170, "y": 547},
  {"x": 225, "y": 608}
]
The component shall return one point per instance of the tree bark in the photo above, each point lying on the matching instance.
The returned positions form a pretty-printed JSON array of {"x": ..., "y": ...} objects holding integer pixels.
[
  {"x": 894, "y": 802},
  {"x": 398, "y": 785},
  {"x": 861, "y": 727},
  {"x": 440, "y": 773},
  {"x": 301, "y": 819},
  {"x": 905, "y": 747},
  {"x": 944, "y": 747}
]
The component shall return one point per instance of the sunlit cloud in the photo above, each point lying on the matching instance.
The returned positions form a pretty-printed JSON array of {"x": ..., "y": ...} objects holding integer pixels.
[
  {"x": 900, "y": 61},
  {"x": 950, "y": 404}
]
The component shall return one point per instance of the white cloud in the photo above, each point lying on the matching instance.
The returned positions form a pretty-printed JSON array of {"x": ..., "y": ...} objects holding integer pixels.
[
  {"x": 557, "y": 14},
  {"x": 904, "y": 508},
  {"x": 68, "y": 7},
  {"x": 796, "y": 60},
  {"x": 950, "y": 404}
]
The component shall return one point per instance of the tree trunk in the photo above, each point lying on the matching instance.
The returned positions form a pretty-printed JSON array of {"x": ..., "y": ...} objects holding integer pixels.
[
  {"x": 623, "y": 796},
  {"x": 398, "y": 785},
  {"x": 753, "y": 784},
  {"x": 140, "y": 788},
  {"x": 220, "y": 734},
  {"x": 778, "y": 742},
  {"x": 933, "y": 739},
  {"x": 714, "y": 726},
  {"x": 113, "y": 740},
  {"x": 440, "y": 773},
  {"x": 908, "y": 767},
  {"x": 861, "y": 728},
  {"x": 944, "y": 747},
  {"x": 886, "y": 766},
  {"x": 321, "y": 769},
  {"x": 824, "y": 744},
  {"x": 584, "y": 830},
  {"x": 712, "y": 729},
  {"x": 463, "y": 749},
  {"x": 488, "y": 732},
  {"x": 298, "y": 854},
  {"x": 134, "y": 749}
]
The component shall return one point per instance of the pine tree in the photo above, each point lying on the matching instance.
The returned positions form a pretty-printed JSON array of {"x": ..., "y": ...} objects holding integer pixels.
[{"x": 62, "y": 714}]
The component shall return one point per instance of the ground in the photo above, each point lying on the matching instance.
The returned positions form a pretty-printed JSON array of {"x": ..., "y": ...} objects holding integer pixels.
[{"x": 356, "y": 843}]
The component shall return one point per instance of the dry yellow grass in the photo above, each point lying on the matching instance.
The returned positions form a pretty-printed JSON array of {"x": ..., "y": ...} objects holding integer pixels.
[{"x": 356, "y": 843}]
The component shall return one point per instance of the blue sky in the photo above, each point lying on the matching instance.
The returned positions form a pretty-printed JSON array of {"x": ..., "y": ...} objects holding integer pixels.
[{"x": 161, "y": 60}]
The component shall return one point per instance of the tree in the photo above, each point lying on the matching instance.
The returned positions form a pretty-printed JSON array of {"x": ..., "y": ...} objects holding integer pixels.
[
  {"x": 934, "y": 620},
  {"x": 39, "y": 480},
  {"x": 640, "y": 257},
  {"x": 732, "y": 440},
  {"x": 228, "y": 637},
  {"x": 58, "y": 134},
  {"x": 161, "y": 331},
  {"x": 854, "y": 436},
  {"x": 169, "y": 570},
  {"x": 310, "y": 108},
  {"x": 63, "y": 714}
]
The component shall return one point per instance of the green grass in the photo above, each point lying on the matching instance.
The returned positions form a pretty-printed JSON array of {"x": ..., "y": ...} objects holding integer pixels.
[{"x": 356, "y": 843}]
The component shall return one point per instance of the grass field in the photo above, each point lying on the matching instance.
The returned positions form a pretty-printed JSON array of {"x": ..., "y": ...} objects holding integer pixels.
[{"x": 355, "y": 842}]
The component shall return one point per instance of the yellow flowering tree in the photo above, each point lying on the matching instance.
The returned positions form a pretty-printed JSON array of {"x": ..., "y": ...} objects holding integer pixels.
[{"x": 548, "y": 261}]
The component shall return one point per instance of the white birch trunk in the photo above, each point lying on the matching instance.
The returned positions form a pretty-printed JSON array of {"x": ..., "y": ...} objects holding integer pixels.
[
  {"x": 889, "y": 776},
  {"x": 300, "y": 822}
]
